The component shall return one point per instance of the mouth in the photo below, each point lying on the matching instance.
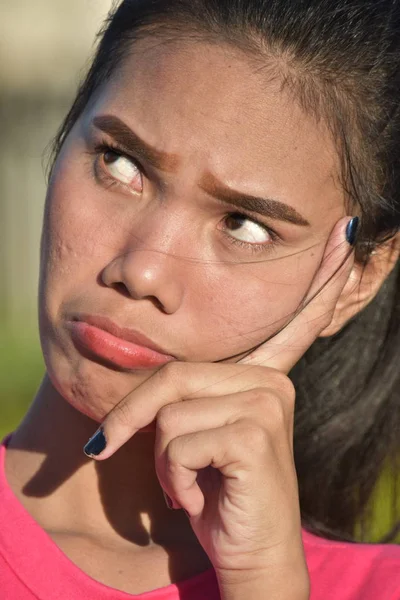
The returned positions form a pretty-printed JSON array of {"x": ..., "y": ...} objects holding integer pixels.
[{"x": 99, "y": 338}]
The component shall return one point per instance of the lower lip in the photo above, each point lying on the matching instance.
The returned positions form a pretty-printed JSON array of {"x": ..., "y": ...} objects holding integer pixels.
[{"x": 116, "y": 351}]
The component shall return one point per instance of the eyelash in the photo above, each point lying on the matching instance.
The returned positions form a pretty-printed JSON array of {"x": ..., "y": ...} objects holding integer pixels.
[
  {"x": 100, "y": 149},
  {"x": 254, "y": 248},
  {"x": 104, "y": 146}
]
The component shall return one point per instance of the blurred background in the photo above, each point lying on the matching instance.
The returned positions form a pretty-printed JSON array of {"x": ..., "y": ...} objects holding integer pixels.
[{"x": 45, "y": 47}]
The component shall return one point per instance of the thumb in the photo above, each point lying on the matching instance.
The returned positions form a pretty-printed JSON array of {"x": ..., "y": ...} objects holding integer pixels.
[{"x": 315, "y": 313}]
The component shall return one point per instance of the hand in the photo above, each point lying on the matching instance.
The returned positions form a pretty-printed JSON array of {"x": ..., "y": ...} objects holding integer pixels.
[{"x": 224, "y": 444}]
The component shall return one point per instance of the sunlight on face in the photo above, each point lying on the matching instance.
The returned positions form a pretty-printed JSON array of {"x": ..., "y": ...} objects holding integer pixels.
[{"x": 192, "y": 204}]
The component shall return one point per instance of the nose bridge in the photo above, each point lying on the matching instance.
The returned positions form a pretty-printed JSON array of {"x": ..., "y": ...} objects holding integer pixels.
[{"x": 164, "y": 231}]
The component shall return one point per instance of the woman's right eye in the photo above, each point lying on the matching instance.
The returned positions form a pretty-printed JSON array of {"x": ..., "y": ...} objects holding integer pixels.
[{"x": 121, "y": 169}]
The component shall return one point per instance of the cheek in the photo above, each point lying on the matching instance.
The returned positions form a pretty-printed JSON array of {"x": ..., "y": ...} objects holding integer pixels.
[
  {"x": 78, "y": 235},
  {"x": 72, "y": 255},
  {"x": 69, "y": 232},
  {"x": 246, "y": 304}
]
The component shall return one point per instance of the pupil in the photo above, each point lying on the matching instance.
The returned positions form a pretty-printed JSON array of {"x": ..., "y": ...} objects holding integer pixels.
[
  {"x": 110, "y": 157},
  {"x": 236, "y": 221}
]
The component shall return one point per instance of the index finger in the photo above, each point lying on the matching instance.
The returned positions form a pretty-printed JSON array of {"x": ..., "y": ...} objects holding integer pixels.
[{"x": 286, "y": 348}]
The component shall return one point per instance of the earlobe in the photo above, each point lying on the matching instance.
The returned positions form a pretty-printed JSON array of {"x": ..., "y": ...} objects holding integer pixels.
[{"x": 363, "y": 284}]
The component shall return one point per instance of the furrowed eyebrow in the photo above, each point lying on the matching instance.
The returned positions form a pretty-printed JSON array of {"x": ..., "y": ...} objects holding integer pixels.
[
  {"x": 130, "y": 142},
  {"x": 134, "y": 145},
  {"x": 263, "y": 206}
]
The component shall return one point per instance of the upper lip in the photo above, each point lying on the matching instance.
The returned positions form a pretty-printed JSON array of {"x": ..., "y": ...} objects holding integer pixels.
[{"x": 123, "y": 333}]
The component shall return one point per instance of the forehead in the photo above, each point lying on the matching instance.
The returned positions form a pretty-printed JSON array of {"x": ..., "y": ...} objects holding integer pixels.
[{"x": 214, "y": 106}]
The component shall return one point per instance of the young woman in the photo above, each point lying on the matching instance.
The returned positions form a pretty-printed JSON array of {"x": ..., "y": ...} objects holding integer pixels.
[{"x": 219, "y": 294}]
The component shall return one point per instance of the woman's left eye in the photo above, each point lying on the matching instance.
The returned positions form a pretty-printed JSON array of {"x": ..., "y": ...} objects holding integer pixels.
[
  {"x": 121, "y": 169},
  {"x": 243, "y": 229}
]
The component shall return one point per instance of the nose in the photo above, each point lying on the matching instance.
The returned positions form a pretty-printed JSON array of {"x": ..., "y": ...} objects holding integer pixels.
[{"x": 146, "y": 274}]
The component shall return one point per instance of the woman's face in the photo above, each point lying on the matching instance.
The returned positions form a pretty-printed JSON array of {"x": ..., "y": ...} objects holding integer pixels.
[{"x": 191, "y": 203}]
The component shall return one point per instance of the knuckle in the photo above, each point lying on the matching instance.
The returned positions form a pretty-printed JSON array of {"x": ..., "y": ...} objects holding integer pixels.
[
  {"x": 287, "y": 389},
  {"x": 271, "y": 410},
  {"x": 173, "y": 455},
  {"x": 280, "y": 380},
  {"x": 252, "y": 437},
  {"x": 276, "y": 414},
  {"x": 282, "y": 387},
  {"x": 258, "y": 398},
  {"x": 166, "y": 418},
  {"x": 277, "y": 403}
]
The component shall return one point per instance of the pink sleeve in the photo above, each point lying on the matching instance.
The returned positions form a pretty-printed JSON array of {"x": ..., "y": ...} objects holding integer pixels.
[{"x": 342, "y": 571}]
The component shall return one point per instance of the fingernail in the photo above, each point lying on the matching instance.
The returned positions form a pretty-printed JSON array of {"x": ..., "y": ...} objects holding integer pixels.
[
  {"x": 187, "y": 514},
  {"x": 168, "y": 501},
  {"x": 96, "y": 444},
  {"x": 351, "y": 230}
]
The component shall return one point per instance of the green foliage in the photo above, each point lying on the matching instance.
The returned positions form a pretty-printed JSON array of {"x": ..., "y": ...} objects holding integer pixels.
[
  {"x": 21, "y": 371},
  {"x": 384, "y": 506}
]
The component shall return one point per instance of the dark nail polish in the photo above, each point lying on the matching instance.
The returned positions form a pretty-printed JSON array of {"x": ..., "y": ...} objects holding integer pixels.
[
  {"x": 187, "y": 514},
  {"x": 351, "y": 230},
  {"x": 96, "y": 444},
  {"x": 168, "y": 501}
]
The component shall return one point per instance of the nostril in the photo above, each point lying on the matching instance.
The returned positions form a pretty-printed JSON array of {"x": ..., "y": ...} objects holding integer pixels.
[
  {"x": 157, "y": 303},
  {"x": 121, "y": 288}
]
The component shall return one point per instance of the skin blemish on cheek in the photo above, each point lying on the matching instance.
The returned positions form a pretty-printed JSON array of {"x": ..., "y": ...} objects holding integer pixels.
[{"x": 62, "y": 250}]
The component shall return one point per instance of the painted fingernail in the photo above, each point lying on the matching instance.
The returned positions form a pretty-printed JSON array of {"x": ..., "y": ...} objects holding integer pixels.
[
  {"x": 187, "y": 514},
  {"x": 168, "y": 501},
  {"x": 96, "y": 444},
  {"x": 351, "y": 230}
]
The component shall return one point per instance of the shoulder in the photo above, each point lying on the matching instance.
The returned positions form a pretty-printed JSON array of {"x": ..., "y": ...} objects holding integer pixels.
[{"x": 345, "y": 571}]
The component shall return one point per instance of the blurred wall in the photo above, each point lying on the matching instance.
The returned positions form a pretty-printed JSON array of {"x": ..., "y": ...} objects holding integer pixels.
[{"x": 44, "y": 48}]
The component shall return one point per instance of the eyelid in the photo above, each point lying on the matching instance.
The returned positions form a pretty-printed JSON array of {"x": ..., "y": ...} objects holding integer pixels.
[
  {"x": 252, "y": 247},
  {"x": 100, "y": 142},
  {"x": 243, "y": 212},
  {"x": 98, "y": 151},
  {"x": 104, "y": 146}
]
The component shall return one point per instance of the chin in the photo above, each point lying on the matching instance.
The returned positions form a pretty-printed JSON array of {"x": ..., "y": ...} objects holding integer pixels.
[{"x": 90, "y": 388}]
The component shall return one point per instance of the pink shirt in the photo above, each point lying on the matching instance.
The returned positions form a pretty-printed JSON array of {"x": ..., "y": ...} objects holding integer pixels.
[{"x": 32, "y": 567}]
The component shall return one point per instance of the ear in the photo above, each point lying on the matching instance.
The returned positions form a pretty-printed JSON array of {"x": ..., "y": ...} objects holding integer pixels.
[{"x": 363, "y": 284}]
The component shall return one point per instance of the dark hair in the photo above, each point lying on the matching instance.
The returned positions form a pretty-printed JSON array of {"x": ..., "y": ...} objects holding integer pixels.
[{"x": 341, "y": 61}]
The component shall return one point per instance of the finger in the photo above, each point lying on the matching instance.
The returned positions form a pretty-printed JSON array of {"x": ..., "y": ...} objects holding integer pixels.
[
  {"x": 185, "y": 418},
  {"x": 262, "y": 405},
  {"x": 285, "y": 349},
  {"x": 173, "y": 383},
  {"x": 220, "y": 449}
]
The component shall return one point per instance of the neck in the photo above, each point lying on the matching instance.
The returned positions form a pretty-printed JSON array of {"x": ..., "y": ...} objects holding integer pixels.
[{"x": 67, "y": 492}]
